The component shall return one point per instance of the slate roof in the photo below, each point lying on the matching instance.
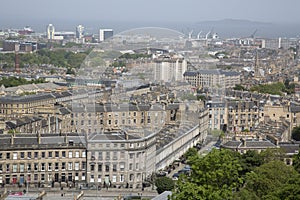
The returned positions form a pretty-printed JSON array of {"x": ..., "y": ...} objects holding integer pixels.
[
  {"x": 25, "y": 99},
  {"x": 46, "y": 141}
]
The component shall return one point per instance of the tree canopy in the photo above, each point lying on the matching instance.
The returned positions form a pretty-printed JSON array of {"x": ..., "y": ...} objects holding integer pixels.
[
  {"x": 225, "y": 174},
  {"x": 296, "y": 133},
  {"x": 164, "y": 184},
  {"x": 14, "y": 81}
]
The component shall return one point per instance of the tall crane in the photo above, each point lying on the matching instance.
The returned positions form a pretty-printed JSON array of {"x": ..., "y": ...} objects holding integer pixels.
[
  {"x": 199, "y": 34},
  {"x": 253, "y": 34}
]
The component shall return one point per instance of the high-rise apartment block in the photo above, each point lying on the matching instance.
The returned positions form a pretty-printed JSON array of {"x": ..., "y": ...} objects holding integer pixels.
[
  {"x": 104, "y": 34},
  {"x": 79, "y": 31},
  {"x": 50, "y": 32}
]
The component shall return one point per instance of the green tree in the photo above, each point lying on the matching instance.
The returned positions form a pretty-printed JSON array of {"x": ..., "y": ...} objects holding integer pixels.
[
  {"x": 214, "y": 176},
  {"x": 274, "y": 88},
  {"x": 164, "y": 184},
  {"x": 272, "y": 154},
  {"x": 239, "y": 87},
  {"x": 296, "y": 162},
  {"x": 296, "y": 133},
  {"x": 250, "y": 160},
  {"x": 290, "y": 190},
  {"x": 268, "y": 178},
  {"x": 191, "y": 152}
]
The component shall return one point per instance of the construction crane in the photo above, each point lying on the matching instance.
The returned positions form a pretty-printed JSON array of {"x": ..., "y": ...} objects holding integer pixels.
[
  {"x": 253, "y": 34},
  {"x": 190, "y": 34},
  {"x": 199, "y": 34}
]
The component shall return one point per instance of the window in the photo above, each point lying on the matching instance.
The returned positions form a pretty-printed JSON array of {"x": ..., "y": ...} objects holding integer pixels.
[
  {"x": 56, "y": 154},
  {"x": 42, "y": 177},
  {"x": 36, "y": 166},
  {"x": 99, "y": 178},
  {"x": 122, "y": 145},
  {"x": 70, "y": 154},
  {"x": 92, "y": 155},
  {"x": 49, "y": 166},
  {"x": 56, "y": 165},
  {"x": 0, "y": 155},
  {"x": 83, "y": 165},
  {"x": 83, "y": 176},
  {"x": 76, "y": 176},
  {"x": 99, "y": 167},
  {"x": 137, "y": 166},
  {"x": 28, "y": 167},
  {"x": 83, "y": 154},
  {"x": 114, "y": 178},
  {"x": 22, "y": 155},
  {"x": 36, "y": 155},
  {"x": 35, "y": 177},
  {"x": 70, "y": 177},
  {"x": 50, "y": 154},
  {"x": 131, "y": 155},
  {"x": 107, "y": 145},
  {"x": 107, "y": 167},
  {"x": 1, "y": 168},
  {"x": 76, "y": 154},
  {"x": 114, "y": 167},
  {"x": 77, "y": 166},
  {"x": 131, "y": 177},
  {"x": 100, "y": 155},
  {"x": 115, "y": 156},
  {"x": 107, "y": 155},
  {"x": 15, "y": 156},
  {"x": 15, "y": 167},
  {"x": 63, "y": 166},
  {"x": 70, "y": 166},
  {"x": 43, "y": 154},
  {"x": 7, "y": 167},
  {"x": 92, "y": 167},
  {"x": 43, "y": 167},
  {"x": 122, "y": 178},
  {"x": 92, "y": 178},
  {"x": 63, "y": 154},
  {"x": 63, "y": 177},
  {"x": 122, "y": 166},
  {"x": 22, "y": 168}
]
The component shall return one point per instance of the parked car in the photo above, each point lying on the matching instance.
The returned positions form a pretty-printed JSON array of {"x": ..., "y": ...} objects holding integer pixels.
[{"x": 175, "y": 176}]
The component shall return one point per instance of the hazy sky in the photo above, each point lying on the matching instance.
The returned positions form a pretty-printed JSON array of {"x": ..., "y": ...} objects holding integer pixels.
[{"x": 150, "y": 10}]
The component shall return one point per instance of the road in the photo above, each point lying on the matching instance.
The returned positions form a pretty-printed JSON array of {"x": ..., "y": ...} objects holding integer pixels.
[{"x": 203, "y": 151}]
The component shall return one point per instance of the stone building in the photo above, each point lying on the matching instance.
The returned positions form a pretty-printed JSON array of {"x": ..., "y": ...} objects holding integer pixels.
[
  {"x": 212, "y": 78},
  {"x": 242, "y": 115},
  {"x": 120, "y": 159},
  {"x": 42, "y": 160},
  {"x": 11, "y": 107}
]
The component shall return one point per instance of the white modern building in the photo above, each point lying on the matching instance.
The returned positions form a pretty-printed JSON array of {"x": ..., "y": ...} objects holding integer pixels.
[
  {"x": 50, "y": 32},
  {"x": 104, "y": 34},
  {"x": 79, "y": 31},
  {"x": 170, "y": 69}
]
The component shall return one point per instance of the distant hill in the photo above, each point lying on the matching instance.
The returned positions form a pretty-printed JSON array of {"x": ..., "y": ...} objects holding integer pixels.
[
  {"x": 234, "y": 22},
  {"x": 244, "y": 28}
]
